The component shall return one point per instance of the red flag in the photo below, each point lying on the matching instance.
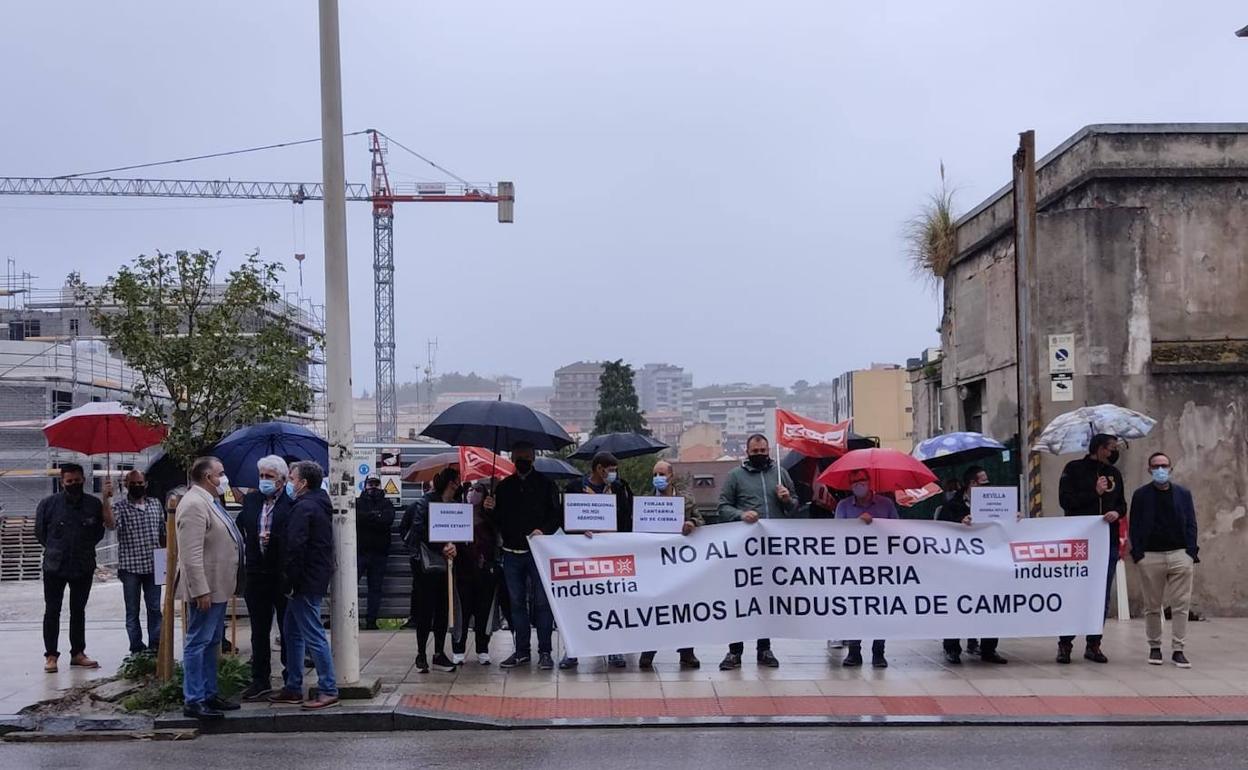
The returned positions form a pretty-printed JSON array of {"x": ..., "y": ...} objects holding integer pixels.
[
  {"x": 811, "y": 437},
  {"x": 910, "y": 497},
  {"x": 476, "y": 463}
]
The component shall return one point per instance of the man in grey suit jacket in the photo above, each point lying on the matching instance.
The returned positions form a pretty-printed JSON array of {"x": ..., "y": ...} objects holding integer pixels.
[{"x": 210, "y": 552}]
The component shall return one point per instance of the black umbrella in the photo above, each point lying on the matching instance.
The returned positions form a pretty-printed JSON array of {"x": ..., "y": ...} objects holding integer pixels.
[
  {"x": 622, "y": 445},
  {"x": 554, "y": 468},
  {"x": 496, "y": 425}
]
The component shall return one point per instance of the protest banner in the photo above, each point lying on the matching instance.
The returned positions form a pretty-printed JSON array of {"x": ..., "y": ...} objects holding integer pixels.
[
  {"x": 589, "y": 513},
  {"x": 450, "y": 523},
  {"x": 994, "y": 504},
  {"x": 892, "y": 579},
  {"x": 660, "y": 514}
]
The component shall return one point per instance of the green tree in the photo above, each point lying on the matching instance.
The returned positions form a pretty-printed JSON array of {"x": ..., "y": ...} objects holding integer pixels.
[
  {"x": 207, "y": 359},
  {"x": 618, "y": 409}
]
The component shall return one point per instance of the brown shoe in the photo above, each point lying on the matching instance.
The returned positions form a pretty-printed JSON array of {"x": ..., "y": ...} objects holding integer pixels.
[
  {"x": 322, "y": 702},
  {"x": 286, "y": 696},
  {"x": 82, "y": 661},
  {"x": 49, "y": 664}
]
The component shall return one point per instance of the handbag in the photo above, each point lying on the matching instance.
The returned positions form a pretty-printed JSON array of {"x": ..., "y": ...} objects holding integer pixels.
[{"x": 427, "y": 560}]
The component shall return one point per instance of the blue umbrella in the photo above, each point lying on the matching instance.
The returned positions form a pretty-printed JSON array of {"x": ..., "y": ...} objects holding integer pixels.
[
  {"x": 240, "y": 450},
  {"x": 956, "y": 448}
]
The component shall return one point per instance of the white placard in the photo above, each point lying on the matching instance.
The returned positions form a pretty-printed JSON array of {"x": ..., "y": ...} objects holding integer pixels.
[
  {"x": 450, "y": 523},
  {"x": 1061, "y": 387},
  {"x": 1061, "y": 354},
  {"x": 658, "y": 514},
  {"x": 160, "y": 557},
  {"x": 589, "y": 513},
  {"x": 994, "y": 504},
  {"x": 796, "y": 579}
]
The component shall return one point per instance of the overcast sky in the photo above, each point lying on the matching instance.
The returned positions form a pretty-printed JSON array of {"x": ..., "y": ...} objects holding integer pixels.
[{"x": 720, "y": 185}]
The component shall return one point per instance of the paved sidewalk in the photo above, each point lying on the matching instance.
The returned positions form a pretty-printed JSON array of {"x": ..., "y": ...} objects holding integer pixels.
[{"x": 809, "y": 683}]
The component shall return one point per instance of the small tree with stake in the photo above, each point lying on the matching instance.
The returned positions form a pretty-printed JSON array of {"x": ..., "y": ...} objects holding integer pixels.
[{"x": 207, "y": 360}]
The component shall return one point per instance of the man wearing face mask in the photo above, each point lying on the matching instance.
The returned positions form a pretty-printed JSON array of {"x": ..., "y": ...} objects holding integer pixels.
[
  {"x": 1092, "y": 486},
  {"x": 68, "y": 524},
  {"x": 374, "y": 520},
  {"x": 958, "y": 511},
  {"x": 210, "y": 553},
  {"x": 759, "y": 489},
  {"x": 524, "y": 505},
  {"x": 604, "y": 479},
  {"x": 1165, "y": 548},
  {"x": 867, "y": 506},
  {"x": 140, "y": 525},
  {"x": 262, "y": 521},
  {"x": 665, "y": 486}
]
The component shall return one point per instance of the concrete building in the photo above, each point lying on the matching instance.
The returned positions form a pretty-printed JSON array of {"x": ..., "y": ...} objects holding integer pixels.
[
  {"x": 574, "y": 404},
  {"x": 666, "y": 426},
  {"x": 1141, "y": 257},
  {"x": 510, "y": 387},
  {"x": 878, "y": 401},
  {"x": 665, "y": 388},
  {"x": 701, "y": 441},
  {"x": 738, "y": 416},
  {"x": 924, "y": 376}
]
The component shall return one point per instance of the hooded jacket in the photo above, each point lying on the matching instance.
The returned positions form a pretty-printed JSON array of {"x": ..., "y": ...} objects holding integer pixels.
[
  {"x": 749, "y": 489},
  {"x": 374, "y": 520}
]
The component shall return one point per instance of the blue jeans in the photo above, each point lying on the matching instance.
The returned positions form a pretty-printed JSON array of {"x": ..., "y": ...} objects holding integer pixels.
[
  {"x": 302, "y": 628},
  {"x": 520, "y": 574},
  {"x": 134, "y": 586},
  {"x": 199, "y": 656}
]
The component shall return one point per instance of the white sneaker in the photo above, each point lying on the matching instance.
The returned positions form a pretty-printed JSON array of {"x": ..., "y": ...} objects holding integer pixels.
[
  {"x": 457, "y": 659},
  {"x": 483, "y": 658}
]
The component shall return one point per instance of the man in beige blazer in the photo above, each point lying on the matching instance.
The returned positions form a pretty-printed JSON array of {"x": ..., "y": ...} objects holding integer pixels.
[{"x": 210, "y": 553}]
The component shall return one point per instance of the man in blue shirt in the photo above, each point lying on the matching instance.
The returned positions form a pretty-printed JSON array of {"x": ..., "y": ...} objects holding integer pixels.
[{"x": 864, "y": 504}]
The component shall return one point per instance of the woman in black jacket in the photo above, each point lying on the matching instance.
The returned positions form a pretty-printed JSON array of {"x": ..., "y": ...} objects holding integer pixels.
[{"x": 429, "y": 572}]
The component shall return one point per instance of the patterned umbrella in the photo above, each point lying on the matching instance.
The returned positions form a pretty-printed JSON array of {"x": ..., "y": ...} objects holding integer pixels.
[
  {"x": 1071, "y": 433},
  {"x": 956, "y": 448}
]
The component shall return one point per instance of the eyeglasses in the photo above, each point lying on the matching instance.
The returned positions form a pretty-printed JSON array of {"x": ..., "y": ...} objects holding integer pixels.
[{"x": 1160, "y": 465}]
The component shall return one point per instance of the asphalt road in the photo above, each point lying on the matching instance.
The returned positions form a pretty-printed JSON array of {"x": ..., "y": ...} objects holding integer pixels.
[{"x": 879, "y": 748}]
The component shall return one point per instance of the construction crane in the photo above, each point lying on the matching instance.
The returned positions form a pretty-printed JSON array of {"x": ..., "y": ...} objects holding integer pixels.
[{"x": 381, "y": 193}]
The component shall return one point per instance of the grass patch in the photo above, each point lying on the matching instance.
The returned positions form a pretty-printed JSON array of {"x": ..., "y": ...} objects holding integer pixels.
[
  {"x": 391, "y": 624},
  {"x": 233, "y": 676}
]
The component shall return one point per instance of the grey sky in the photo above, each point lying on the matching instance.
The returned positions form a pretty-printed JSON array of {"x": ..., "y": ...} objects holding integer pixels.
[{"x": 715, "y": 184}]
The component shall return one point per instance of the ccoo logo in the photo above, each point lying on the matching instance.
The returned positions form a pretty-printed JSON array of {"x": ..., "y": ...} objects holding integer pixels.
[
  {"x": 1050, "y": 550},
  {"x": 593, "y": 567}
]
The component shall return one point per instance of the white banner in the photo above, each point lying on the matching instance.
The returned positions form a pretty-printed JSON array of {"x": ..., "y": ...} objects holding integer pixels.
[
  {"x": 450, "y": 523},
  {"x": 994, "y": 504},
  {"x": 589, "y": 513},
  {"x": 805, "y": 579},
  {"x": 658, "y": 514}
]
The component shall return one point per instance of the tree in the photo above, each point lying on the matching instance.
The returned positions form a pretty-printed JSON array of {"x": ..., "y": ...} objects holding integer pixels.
[
  {"x": 207, "y": 359},
  {"x": 618, "y": 408}
]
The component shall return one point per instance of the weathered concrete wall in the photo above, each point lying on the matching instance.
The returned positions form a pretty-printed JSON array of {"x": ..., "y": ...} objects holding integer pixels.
[{"x": 1141, "y": 244}]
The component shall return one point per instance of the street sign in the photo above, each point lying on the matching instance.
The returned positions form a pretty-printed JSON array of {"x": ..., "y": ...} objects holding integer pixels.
[
  {"x": 1061, "y": 387},
  {"x": 364, "y": 461},
  {"x": 1061, "y": 354}
]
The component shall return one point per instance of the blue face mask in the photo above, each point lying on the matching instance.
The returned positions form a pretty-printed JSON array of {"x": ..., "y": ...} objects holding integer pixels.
[
  {"x": 267, "y": 487},
  {"x": 612, "y": 476},
  {"x": 1161, "y": 475},
  {"x": 660, "y": 483},
  {"x": 290, "y": 488}
]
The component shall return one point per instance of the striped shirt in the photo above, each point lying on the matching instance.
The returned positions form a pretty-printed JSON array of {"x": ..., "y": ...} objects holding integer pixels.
[{"x": 139, "y": 526}]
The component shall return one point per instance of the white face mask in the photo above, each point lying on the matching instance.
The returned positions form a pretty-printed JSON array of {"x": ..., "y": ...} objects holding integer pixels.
[{"x": 223, "y": 484}]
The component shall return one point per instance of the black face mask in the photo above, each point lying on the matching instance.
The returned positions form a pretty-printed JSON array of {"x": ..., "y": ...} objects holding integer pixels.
[
  {"x": 760, "y": 461},
  {"x": 1113, "y": 457},
  {"x": 73, "y": 491},
  {"x": 372, "y": 491},
  {"x": 137, "y": 490},
  {"x": 524, "y": 466}
]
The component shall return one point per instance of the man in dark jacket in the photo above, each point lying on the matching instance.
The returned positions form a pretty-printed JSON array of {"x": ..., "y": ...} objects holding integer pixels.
[
  {"x": 957, "y": 510},
  {"x": 262, "y": 520},
  {"x": 307, "y": 555},
  {"x": 604, "y": 479},
  {"x": 68, "y": 525},
  {"x": 525, "y": 504},
  {"x": 1164, "y": 547},
  {"x": 374, "y": 520},
  {"x": 1092, "y": 486}
]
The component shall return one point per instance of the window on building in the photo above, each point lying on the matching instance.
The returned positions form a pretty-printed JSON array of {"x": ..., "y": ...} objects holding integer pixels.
[
  {"x": 972, "y": 395},
  {"x": 704, "y": 481},
  {"x": 73, "y": 327},
  {"x": 62, "y": 402}
]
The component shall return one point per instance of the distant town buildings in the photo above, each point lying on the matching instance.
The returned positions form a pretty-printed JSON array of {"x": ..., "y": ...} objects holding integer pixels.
[
  {"x": 574, "y": 404},
  {"x": 665, "y": 388},
  {"x": 738, "y": 416},
  {"x": 666, "y": 426},
  {"x": 879, "y": 402}
]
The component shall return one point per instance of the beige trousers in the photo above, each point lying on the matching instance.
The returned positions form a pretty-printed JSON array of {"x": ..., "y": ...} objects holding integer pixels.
[{"x": 1167, "y": 581}]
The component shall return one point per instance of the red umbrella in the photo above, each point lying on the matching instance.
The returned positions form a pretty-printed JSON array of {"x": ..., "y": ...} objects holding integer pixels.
[
  {"x": 479, "y": 462},
  {"x": 426, "y": 468},
  {"x": 102, "y": 427},
  {"x": 888, "y": 469}
]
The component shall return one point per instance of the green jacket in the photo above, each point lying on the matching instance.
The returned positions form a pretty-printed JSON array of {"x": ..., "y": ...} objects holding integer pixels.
[{"x": 749, "y": 489}]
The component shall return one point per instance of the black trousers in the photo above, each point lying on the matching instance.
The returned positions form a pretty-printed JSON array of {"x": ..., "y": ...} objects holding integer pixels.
[
  {"x": 986, "y": 646},
  {"x": 53, "y": 596},
  {"x": 372, "y": 567},
  {"x": 477, "y": 591},
  {"x": 877, "y": 646},
  {"x": 737, "y": 648},
  {"x": 265, "y": 603},
  {"x": 429, "y": 602}
]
